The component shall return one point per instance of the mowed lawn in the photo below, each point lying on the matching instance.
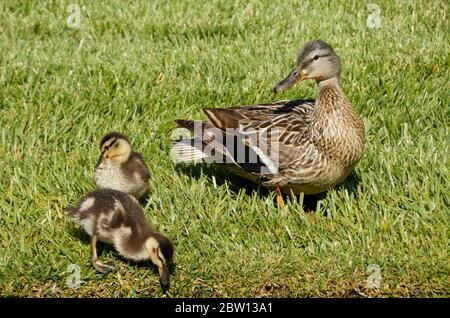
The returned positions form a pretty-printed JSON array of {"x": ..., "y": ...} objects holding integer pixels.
[{"x": 136, "y": 66}]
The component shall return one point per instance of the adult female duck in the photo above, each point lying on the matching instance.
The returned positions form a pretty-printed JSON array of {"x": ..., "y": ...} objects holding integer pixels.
[{"x": 317, "y": 143}]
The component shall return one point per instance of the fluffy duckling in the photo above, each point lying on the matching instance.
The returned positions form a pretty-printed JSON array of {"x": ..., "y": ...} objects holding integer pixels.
[
  {"x": 117, "y": 218},
  {"x": 119, "y": 167}
]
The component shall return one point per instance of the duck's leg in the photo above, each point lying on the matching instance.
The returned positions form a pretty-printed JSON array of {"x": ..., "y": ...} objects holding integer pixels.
[
  {"x": 280, "y": 200},
  {"x": 293, "y": 197},
  {"x": 104, "y": 267}
]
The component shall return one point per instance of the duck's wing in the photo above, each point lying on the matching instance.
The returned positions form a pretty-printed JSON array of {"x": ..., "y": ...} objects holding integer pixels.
[
  {"x": 276, "y": 114},
  {"x": 285, "y": 122},
  {"x": 212, "y": 145},
  {"x": 137, "y": 163},
  {"x": 258, "y": 138},
  {"x": 282, "y": 125}
]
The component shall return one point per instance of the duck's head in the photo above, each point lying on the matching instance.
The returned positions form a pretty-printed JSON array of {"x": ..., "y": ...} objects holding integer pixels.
[
  {"x": 316, "y": 60},
  {"x": 160, "y": 249},
  {"x": 116, "y": 147}
]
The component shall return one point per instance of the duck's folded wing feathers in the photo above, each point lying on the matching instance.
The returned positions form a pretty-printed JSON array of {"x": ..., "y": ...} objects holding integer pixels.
[
  {"x": 282, "y": 123},
  {"x": 217, "y": 146},
  {"x": 262, "y": 114}
]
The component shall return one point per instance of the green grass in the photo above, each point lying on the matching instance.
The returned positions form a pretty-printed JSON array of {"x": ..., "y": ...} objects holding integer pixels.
[{"x": 136, "y": 66}]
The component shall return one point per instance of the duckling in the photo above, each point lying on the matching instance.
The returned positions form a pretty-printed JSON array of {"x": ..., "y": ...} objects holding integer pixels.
[
  {"x": 117, "y": 218},
  {"x": 120, "y": 168}
]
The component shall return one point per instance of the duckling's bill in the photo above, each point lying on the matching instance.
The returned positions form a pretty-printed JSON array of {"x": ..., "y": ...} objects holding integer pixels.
[{"x": 164, "y": 276}]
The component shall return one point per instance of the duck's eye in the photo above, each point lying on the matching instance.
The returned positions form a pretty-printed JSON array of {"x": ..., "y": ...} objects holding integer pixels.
[{"x": 316, "y": 57}]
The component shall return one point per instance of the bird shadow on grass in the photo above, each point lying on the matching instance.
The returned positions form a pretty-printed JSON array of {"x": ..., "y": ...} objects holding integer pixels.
[
  {"x": 145, "y": 197},
  {"x": 80, "y": 234},
  {"x": 221, "y": 177},
  {"x": 145, "y": 265},
  {"x": 236, "y": 184}
]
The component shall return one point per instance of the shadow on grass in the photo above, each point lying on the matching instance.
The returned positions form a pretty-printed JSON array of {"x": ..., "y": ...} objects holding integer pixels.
[
  {"x": 81, "y": 234},
  {"x": 236, "y": 184},
  {"x": 148, "y": 265},
  {"x": 144, "y": 199},
  {"x": 222, "y": 176}
]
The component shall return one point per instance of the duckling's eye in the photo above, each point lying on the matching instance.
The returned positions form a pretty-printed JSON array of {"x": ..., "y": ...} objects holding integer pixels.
[{"x": 316, "y": 57}]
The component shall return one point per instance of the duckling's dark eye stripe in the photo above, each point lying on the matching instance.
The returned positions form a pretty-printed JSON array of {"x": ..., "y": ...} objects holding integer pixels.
[{"x": 107, "y": 146}]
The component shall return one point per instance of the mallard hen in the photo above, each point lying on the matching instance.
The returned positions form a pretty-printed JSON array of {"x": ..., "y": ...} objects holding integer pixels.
[{"x": 291, "y": 146}]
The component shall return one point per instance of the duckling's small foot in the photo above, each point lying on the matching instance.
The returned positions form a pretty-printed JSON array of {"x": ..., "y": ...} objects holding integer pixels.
[{"x": 104, "y": 267}]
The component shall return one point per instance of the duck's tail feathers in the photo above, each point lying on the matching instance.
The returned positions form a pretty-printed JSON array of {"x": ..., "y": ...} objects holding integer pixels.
[
  {"x": 206, "y": 144},
  {"x": 213, "y": 145},
  {"x": 188, "y": 150}
]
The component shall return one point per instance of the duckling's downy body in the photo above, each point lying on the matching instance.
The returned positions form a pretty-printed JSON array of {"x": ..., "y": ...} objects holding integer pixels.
[
  {"x": 117, "y": 218},
  {"x": 120, "y": 168},
  {"x": 318, "y": 142}
]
